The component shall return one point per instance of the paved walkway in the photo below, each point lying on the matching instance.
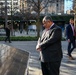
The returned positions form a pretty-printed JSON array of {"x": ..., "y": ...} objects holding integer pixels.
[{"x": 68, "y": 67}]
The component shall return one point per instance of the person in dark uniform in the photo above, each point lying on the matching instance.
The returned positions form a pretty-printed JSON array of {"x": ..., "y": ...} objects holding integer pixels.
[{"x": 7, "y": 29}]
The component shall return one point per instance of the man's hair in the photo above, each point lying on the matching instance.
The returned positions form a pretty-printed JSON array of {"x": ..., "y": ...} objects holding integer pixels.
[
  {"x": 47, "y": 18},
  {"x": 71, "y": 18}
]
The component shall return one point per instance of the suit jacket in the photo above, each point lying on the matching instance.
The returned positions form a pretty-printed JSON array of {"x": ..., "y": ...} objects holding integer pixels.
[
  {"x": 69, "y": 32},
  {"x": 50, "y": 43}
]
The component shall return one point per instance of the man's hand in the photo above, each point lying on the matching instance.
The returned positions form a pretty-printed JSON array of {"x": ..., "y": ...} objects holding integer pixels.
[{"x": 38, "y": 49}]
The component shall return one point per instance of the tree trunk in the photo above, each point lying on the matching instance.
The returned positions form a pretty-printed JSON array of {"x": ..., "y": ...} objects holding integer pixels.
[
  {"x": 38, "y": 25},
  {"x": 27, "y": 28},
  {"x": 11, "y": 27}
]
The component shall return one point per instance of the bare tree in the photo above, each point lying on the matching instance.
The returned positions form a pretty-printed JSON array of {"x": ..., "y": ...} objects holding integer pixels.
[{"x": 38, "y": 6}]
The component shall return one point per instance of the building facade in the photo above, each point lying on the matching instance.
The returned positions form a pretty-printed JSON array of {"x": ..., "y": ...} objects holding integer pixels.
[
  {"x": 12, "y": 6},
  {"x": 74, "y": 4},
  {"x": 23, "y": 6},
  {"x": 55, "y": 7}
]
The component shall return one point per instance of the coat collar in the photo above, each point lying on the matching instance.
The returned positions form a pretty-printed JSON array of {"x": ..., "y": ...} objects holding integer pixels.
[{"x": 52, "y": 26}]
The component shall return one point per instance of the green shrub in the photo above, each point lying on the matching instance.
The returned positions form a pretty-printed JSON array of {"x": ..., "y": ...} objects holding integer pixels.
[{"x": 21, "y": 38}]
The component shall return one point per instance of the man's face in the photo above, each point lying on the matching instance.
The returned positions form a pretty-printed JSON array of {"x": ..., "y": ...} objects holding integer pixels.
[
  {"x": 47, "y": 23},
  {"x": 71, "y": 21}
]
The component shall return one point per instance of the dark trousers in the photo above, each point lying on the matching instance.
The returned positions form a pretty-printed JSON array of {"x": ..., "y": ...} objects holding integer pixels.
[
  {"x": 7, "y": 38},
  {"x": 71, "y": 46},
  {"x": 50, "y": 68}
]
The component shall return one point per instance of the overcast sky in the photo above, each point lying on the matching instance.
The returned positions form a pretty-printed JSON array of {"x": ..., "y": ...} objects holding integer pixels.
[{"x": 67, "y": 5}]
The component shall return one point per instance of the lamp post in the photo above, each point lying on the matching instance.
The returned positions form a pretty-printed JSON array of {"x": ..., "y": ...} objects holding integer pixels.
[{"x": 6, "y": 18}]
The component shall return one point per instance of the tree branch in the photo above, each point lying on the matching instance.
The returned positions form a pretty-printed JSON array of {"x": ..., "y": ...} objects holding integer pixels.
[{"x": 48, "y": 1}]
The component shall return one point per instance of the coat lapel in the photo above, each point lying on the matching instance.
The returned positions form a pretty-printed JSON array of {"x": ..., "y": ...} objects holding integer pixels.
[
  {"x": 43, "y": 35},
  {"x": 52, "y": 26},
  {"x": 47, "y": 33}
]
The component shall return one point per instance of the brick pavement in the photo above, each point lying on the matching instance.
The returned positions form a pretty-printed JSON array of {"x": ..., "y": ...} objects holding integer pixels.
[{"x": 68, "y": 67}]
